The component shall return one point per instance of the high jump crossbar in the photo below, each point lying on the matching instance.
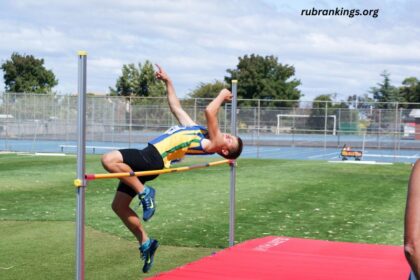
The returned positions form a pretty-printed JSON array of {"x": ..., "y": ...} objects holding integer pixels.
[
  {"x": 82, "y": 178},
  {"x": 90, "y": 177}
]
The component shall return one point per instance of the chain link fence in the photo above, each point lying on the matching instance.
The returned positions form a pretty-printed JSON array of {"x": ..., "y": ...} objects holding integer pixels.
[{"x": 36, "y": 118}]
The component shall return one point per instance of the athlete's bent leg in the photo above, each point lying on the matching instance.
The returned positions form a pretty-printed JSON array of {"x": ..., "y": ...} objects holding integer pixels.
[
  {"x": 113, "y": 162},
  {"x": 121, "y": 206}
]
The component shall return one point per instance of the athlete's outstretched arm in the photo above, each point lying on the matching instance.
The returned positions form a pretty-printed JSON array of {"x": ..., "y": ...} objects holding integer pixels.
[
  {"x": 215, "y": 135},
  {"x": 412, "y": 221},
  {"x": 173, "y": 101}
]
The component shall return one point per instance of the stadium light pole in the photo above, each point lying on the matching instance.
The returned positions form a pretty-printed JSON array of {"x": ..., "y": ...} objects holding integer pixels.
[
  {"x": 233, "y": 131},
  {"x": 80, "y": 181}
]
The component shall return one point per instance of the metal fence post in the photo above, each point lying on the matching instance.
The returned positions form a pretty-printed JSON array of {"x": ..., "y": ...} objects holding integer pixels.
[{"x": 195, "y": 109}]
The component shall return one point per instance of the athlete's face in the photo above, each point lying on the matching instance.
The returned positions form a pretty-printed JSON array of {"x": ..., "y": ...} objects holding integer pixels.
[{"x": 231, "y": 142}]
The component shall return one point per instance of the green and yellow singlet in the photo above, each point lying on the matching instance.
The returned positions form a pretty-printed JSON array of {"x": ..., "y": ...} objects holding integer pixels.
[{"x": 179, "y": 141}]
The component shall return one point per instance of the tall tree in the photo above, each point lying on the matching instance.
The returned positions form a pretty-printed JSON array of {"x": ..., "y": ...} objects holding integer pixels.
[
  {"x": 265, "y": 78},
  {"x": 385, "y": 92},
  {"x": 324, "y": 102},
  {"x": 149, "y": 85},
  {"x": 410, "y": 91},
  {"x": 25, "y": 73},
  {"x": 207, "y": 90},
  {"x": 359, "y": 101},
  {"x": 138, "y": 80}
]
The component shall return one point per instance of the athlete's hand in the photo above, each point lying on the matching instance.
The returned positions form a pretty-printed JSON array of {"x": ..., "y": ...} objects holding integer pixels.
[
  {"x": 225, "y": 94},
  {"x": 161, "y": 74}
]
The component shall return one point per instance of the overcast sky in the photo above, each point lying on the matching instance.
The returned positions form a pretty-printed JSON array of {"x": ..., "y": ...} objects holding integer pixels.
[{"x": 196, "y": 41}]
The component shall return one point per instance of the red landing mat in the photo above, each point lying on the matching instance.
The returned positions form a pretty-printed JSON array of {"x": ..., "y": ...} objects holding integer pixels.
[{"x": 294, "y": 258}]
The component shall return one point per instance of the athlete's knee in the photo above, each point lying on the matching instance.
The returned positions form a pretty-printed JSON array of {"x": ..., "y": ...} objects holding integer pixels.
[
  {"x": 109, "y": 159},
  {"x": 118, "y": 207},
  {"x": 106, "y": 160},
  {"x": 115, "y": 207}
]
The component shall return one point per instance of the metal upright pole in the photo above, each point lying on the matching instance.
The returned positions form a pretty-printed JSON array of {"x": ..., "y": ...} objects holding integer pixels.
[
  {"x": 396, "y": 133},
  {"x": 325, "y": 126},
  {"x": 233, "y": 131},
  {"x": 81, "y": 150},
  {"x": 258, "y": 128}
]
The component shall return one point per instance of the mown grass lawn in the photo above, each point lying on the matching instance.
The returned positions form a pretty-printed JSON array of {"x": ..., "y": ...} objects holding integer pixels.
[{"x": 311, "y": 199}]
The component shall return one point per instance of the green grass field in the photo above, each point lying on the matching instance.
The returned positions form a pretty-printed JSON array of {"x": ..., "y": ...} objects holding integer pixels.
[{"x": 310, "y": 199}]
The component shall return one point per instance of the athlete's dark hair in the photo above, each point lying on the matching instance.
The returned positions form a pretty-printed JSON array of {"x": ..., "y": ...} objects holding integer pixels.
[{"x": 234, "y": 154}]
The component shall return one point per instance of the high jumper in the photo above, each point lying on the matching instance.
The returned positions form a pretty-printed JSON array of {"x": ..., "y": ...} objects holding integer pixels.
[{"x": 178, "y": 141}]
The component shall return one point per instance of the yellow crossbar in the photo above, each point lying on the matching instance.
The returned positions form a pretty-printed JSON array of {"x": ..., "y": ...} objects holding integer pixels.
[{"x": 155, "y": 172}]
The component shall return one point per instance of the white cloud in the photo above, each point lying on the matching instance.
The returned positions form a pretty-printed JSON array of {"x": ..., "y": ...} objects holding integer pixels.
[{"x": 196, "y": 41}]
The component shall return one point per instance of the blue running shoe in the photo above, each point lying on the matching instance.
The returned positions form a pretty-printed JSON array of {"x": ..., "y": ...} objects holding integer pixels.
[
  {"x": 148, "y": 254},
  {"x": 147, "y": 200}
]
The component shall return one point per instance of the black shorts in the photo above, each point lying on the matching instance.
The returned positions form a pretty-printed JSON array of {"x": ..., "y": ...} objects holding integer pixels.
[{"x": 140, "y": 160}]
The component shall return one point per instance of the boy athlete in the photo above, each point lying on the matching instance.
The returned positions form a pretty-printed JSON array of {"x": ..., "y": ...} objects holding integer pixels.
[{"x": 174, "y": 144}]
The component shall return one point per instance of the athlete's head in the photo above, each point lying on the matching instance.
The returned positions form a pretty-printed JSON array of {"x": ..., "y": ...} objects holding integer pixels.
[{"x": 232, "y": 147}]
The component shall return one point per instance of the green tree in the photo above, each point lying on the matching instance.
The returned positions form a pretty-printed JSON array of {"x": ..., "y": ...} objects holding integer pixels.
[
  {"x": 138, "y": 80},
  {"x": 149, "y": 85},
  {"x": 25, "y": 73},
  {"x": 324, "y": 105},
  {"x": 203, "y": 90},
  {"x": 385, "y": 92},
  {"x": 207, "y": 90},
  {"x": 359, "y": 101},
  {"x": 316, "y": 119},
  {"x": 265, "y": 78},
  {"x": 410, "y": 91}
]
